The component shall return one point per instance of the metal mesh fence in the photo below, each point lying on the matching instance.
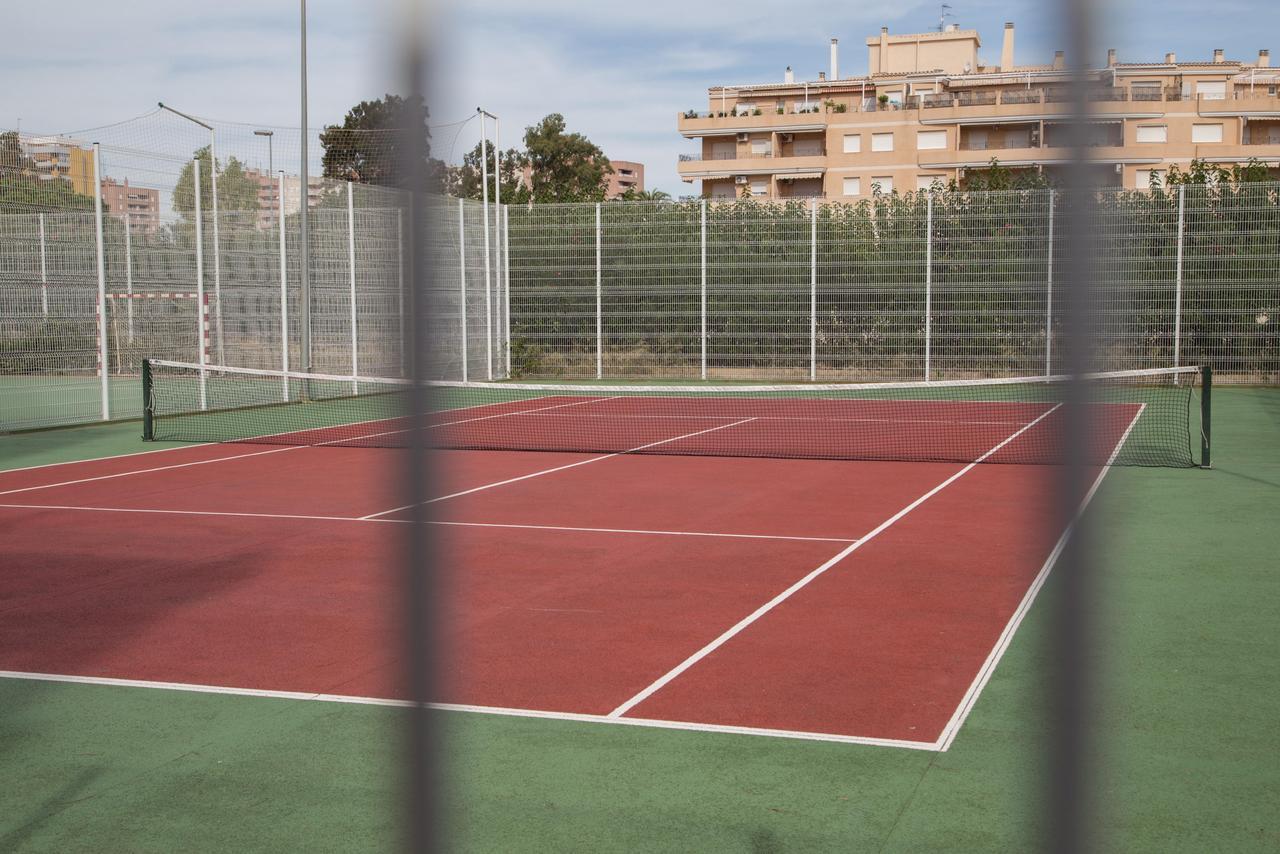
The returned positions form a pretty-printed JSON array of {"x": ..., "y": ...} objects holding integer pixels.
[
  {"x": 917, "y": 286},
  {"x": 905, "y": 286}
]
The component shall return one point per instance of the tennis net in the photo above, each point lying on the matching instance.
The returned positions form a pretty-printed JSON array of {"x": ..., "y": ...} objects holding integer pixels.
[{"x": 1149, "y": 417}]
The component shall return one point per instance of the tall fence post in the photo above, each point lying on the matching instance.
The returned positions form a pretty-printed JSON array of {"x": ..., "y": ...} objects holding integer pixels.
[
  {"x": 1177, "y": 286},
  {"x": 284, "y": 289},
  {"x": 813, "y": 289},
  {"x": 462, "y": 285},
  {"x": 703, "y": 269},
  {"x": 202, "y": 315},
  {"x": 403, "y": 328},
  {"x": 488, "y": 266},
  {"x": 217, "y": 249},
  {"x": 351, "y": 270},
  {"x": 1048, "y": 297},
  {"x": 928, "y": 287},
  {"x": 44, "y": 273},
  {"x": 506, "y": 278},
  {"x": 103, "y": 365},
  {"x": 128, "y": 271},
  {"x": 599, "y": 302}
]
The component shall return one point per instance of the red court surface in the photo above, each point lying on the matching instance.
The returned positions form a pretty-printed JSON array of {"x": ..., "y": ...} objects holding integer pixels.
[{"x": 844, "y": 600}]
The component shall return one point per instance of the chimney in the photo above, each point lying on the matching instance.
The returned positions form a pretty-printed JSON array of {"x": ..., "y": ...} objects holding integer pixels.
[
  {"x": 883, "y": 62},
  {"x": 1111, "y": 58},
  {"x": 835, "y": 59},
  {"x": 1170, "y": 58},
  {"x": 1059, "y": 60},
  {"x": 953, "y": 28},
  {"x": 1264, "y": 59},
  {"x": 1217, "y": 55},
  {"x": 1006, "y": 49},
  {"x": 788, "y": 76},
  {"x": 822, "y": 76}
]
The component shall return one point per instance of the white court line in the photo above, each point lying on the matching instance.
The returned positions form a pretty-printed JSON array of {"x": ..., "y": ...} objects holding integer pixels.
[
  {"x": 455, "y": 707},
  {"x": 456, "y": 524},
  {"x": 552, "y": 470},
  {"x": 257, "y": 453},
  {"x": 970, "y": 698},
  {"x": 746, "y": 621},
  {"x": 711, "y": 416}
]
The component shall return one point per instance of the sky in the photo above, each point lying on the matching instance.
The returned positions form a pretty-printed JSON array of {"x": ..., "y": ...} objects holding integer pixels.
[{"x": 620, "y": 72}]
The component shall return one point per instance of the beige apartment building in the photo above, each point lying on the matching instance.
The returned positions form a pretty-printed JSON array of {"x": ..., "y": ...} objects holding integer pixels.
[
  {"x": 627, "y": 175},
  {"x": 931, "y": 110}
]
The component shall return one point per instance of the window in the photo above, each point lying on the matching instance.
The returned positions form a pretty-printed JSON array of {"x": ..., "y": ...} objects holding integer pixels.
[
  {"x": 931, "y": 139},
  {"x": 852, "y": 186},
  {"x": 1153, "y": 133},
  {"x": 882, "y": 185},
  {"x": 977, "y": 139},
  {"x": 1143, "y": 181},
  {"x": 744, "y": 109},
  {"x": 1212, "y": 90},
  {"x": 882, "y": 142},
  {"x": 724, "y": 150},
  {"x": 930, "y": 182},
  {"x": 759, "y": 188},
  {"x": 759, "y": 147},
  {"x": 722, "y": 190},
  {"x": 808, "y": 148},
  {"x": 852, "y": 143},
  {"x": 1206, "y": 133}
]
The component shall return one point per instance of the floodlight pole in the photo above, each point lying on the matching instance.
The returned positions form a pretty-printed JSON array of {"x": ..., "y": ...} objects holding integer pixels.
[
  {"x": 304, "y": 259},
  {"x": 270, "y": 135},
  {"x": 484, "y": 212},
  {"x": 217, "y": 258}
]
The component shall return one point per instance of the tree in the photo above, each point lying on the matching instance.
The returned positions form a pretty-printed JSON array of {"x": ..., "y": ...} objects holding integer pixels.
[
  {"x": 21, "y": 187},
  {"x": 237, "y": 191},
  {"x": 463, "y": 182},
  {"x": 564, "y": 167},
  {"x": 369, "y": 145},
  {"x": 633, "y": 195}
]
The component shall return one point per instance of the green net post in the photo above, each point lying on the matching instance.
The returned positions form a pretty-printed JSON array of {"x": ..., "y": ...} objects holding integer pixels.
[
  {"x": 148, "y": 403},
  {"x": 1206, "y": 409}
]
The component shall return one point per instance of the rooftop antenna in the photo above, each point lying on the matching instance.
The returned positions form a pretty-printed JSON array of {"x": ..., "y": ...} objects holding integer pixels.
[{"x": 942, "y": 18}]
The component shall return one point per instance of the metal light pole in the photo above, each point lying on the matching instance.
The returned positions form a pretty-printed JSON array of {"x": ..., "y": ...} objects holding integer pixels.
[
  {"x": 217, "y": 261},
  {"x": 497, "y": 215},
  {"x": 304, "y": 260},
  {"x": 269, "y": 134}
]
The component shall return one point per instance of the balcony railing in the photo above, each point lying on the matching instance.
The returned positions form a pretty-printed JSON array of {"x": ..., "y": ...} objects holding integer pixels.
[
  {"x": 976, "y": 99},
  {"x": 1021, "y": 96}
]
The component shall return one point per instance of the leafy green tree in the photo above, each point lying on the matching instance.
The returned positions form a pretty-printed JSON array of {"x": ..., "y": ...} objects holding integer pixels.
[
  {"x": 633, "y": 195},
  {"x": 368, "y": 147},
  {"x": 564, "y": 167},
  {"x": 463, "y": 182},
  {"x": 21, "y": 187},
  {"x": 237, "y": 191}
]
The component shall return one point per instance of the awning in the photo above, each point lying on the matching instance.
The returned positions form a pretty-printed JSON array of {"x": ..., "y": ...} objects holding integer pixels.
[{"x": 799, "y": 176}]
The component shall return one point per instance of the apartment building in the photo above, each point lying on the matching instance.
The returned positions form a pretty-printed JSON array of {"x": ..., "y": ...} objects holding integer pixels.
[
  {"x": 269, "y": 195},
  {"x": 627, "y": 175},
  {"x": 140, "y": 204},
  {"x": 62, "y": 158},
  {"x": 931, "y": 110}
]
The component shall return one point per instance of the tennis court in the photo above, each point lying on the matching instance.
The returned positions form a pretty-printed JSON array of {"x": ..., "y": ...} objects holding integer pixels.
[{"x": 707, "y": 562}]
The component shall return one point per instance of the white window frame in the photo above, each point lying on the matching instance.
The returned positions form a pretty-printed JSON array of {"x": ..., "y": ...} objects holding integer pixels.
[
  {"x": 759, "y": 188},
  {"x": 882, "y": 182},
  {"x": 1198, "y": 131},
  {"x": 741, "y": 109},
  {"x": 1211, "y": 90},
  {"x": 851, "y": 183},
  {"x": 1153, "y": 134},
  {"x": 760, "y": 147},
  {"x": 931, "y": 140},
  {"x": 878, "y": 141},
  {"x": 852, "y": 143},
  {"x": 930, "y": 182}
]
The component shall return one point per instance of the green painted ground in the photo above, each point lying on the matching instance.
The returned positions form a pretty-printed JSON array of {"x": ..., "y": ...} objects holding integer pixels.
[{"x": 1189, "y": 752}]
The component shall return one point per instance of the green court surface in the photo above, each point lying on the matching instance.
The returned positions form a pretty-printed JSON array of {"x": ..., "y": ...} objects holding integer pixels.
[{"x": 1186, "y": 722}]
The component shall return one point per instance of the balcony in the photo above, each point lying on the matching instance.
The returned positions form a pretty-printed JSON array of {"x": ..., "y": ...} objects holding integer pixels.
[
  {"x": 747, "y": 165},
  {"x": 693, "y": 124}
]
